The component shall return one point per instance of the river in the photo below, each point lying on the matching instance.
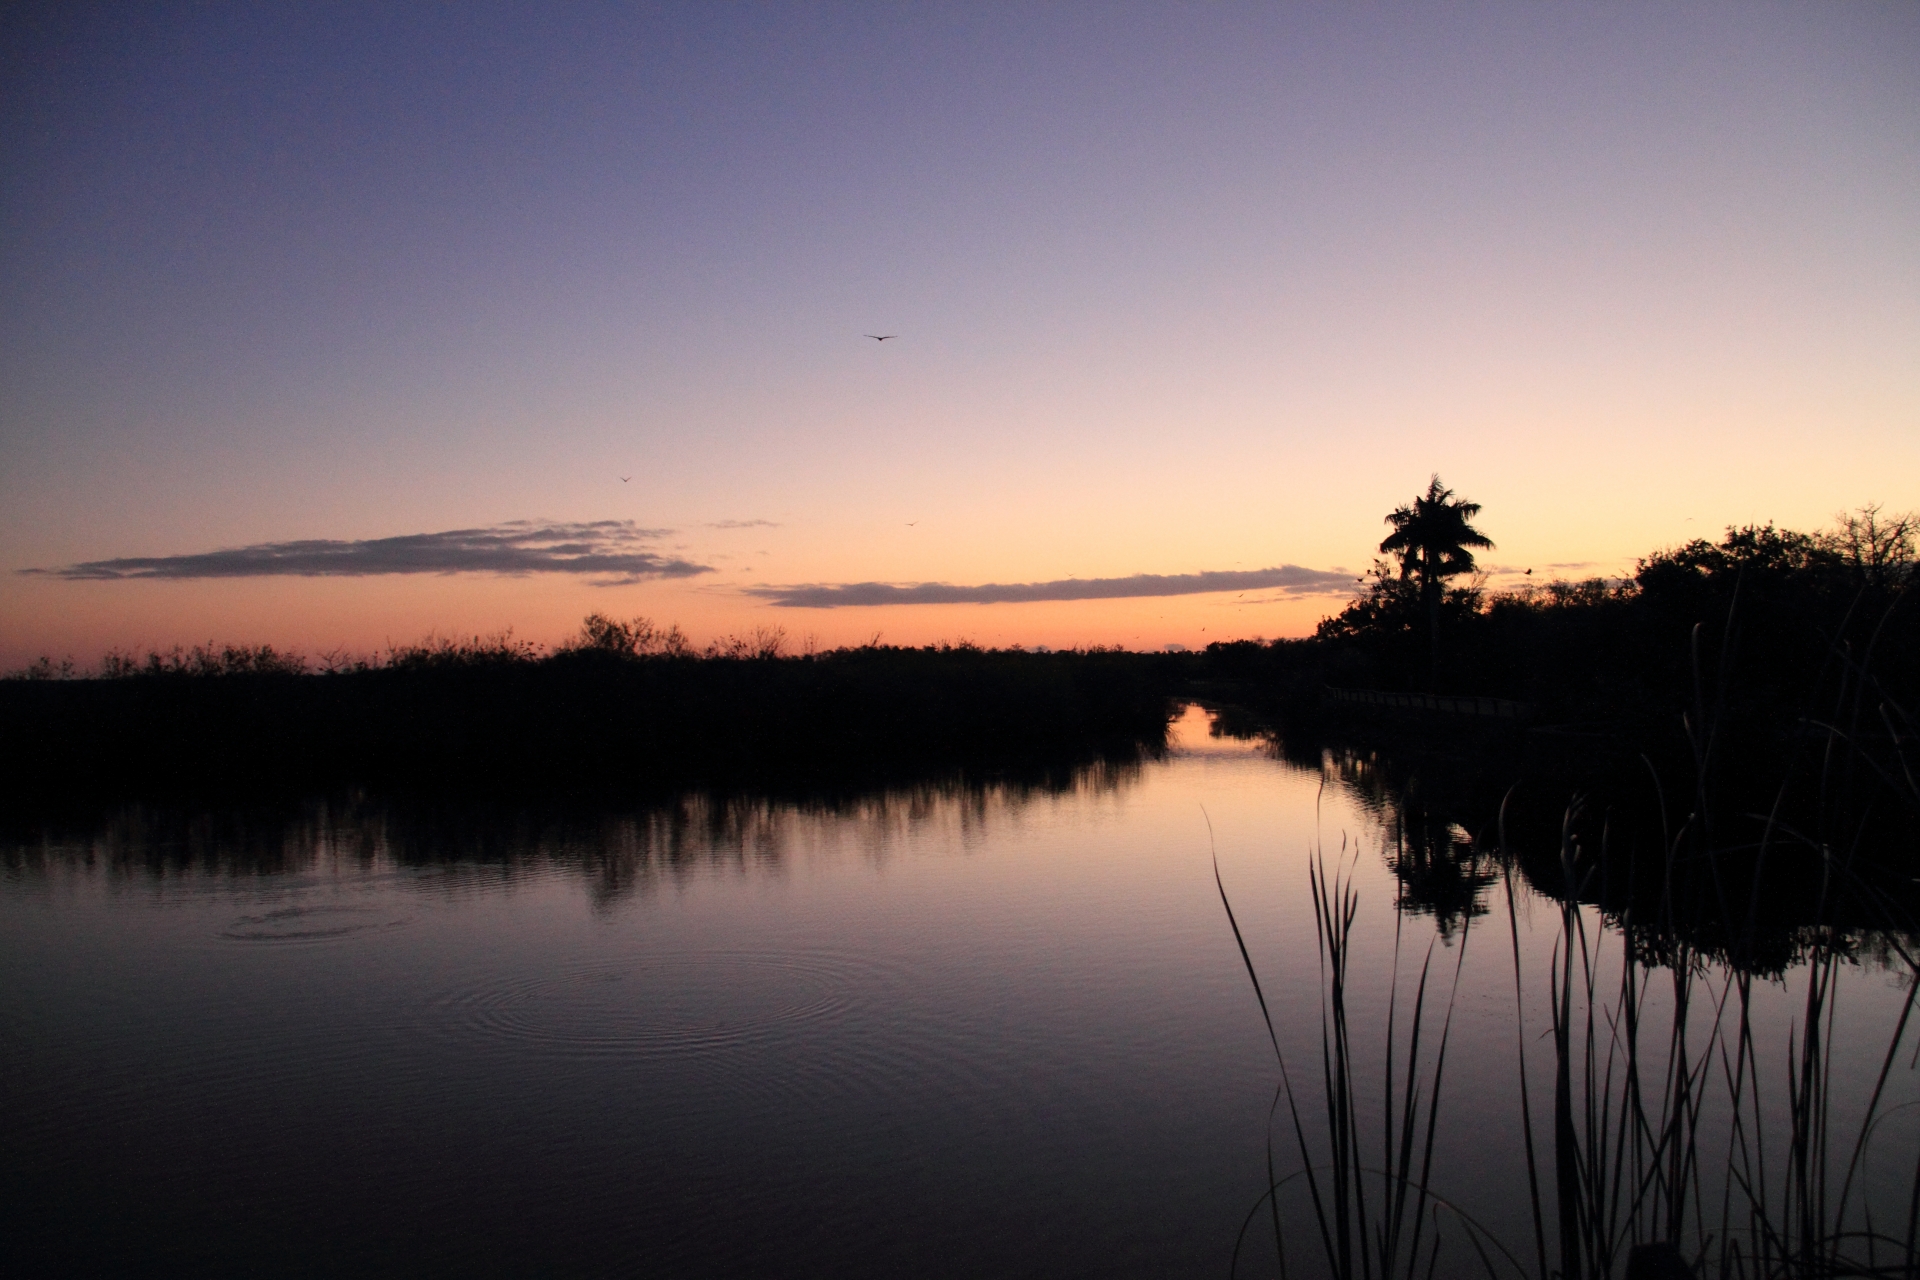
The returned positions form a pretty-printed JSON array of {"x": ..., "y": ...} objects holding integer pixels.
[{"x": 957, "y": 1030}]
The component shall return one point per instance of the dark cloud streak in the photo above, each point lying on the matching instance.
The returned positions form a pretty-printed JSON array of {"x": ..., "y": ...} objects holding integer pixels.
[
  {"x": 1293, "y": 580},
  {"x": 614, "y": 550}
]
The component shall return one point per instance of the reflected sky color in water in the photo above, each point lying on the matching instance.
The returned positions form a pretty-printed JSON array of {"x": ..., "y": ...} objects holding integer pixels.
[{"x": 950, "y": 1032}]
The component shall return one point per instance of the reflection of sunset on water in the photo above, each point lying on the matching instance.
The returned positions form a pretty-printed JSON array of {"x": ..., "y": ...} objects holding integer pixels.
[{"x": 911, "y": 1012}]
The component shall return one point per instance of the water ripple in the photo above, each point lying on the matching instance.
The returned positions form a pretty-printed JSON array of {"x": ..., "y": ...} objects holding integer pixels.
[
  {"x": 311, "y": 924},
  {"x": 662, "y": 1005}
]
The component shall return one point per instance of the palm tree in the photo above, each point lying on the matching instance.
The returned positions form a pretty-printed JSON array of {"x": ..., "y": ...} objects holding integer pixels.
[{"x": 1432, "y": 538}]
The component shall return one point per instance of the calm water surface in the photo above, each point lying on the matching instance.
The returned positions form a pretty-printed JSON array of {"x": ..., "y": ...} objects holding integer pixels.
[{"x": 946, "y": 1032}]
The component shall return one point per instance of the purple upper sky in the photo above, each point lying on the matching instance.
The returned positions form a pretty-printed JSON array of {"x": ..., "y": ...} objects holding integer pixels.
[{"x": 1180, "y": 290}]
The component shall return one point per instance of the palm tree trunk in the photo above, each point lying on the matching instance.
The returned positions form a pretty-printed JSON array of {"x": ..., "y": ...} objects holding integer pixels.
[{"x": 1430, "y": 588}]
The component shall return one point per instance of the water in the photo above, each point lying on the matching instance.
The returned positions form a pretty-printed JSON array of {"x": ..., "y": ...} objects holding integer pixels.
[{"x": 945, "y": 1032}]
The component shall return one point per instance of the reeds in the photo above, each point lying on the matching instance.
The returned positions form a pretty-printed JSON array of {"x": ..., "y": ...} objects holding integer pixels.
[
  {"x": 1671, "y": 1129},
  {"x": 1673, "y": 1125},
  {"x": 1391, "y": 1230},
  {"x": 1676, "y": 1137}
]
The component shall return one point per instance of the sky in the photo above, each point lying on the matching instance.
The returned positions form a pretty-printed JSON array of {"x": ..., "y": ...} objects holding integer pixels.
[{"x": 332, "y": 327}]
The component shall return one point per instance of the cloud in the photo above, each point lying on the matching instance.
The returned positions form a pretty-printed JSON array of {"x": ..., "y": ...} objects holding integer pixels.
[
  {"x": 614, "y": 550},
  {"x": 743, "y": 524},
  {"x": 1290, "y": 578}
]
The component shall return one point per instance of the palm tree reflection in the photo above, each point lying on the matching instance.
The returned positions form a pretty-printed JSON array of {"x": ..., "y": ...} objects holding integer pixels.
[{"x": 1441, "y": 871}]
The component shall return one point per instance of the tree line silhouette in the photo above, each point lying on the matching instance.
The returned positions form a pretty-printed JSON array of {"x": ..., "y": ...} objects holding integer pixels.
[
  {"x": 627, "y": 707},
  {"x": 1754, "y": 616},
  {"x": 1761, "y": 634},
  {"x": 1784, "y": 665}
]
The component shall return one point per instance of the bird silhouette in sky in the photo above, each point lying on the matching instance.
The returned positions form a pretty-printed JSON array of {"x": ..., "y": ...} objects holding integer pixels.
[
  {"x": 912, "y": 523},
  {"x": 882, "y": 337}
]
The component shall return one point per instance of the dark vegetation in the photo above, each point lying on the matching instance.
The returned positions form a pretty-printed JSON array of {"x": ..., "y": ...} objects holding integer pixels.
[
  {"x": 1663, "y": 1134},
  {"x": 1758, "y": 688},
  {"x": 1760, "y": 628},
  {"x": 1722, "y": 761},
  {"x": 627, "y": 708}
]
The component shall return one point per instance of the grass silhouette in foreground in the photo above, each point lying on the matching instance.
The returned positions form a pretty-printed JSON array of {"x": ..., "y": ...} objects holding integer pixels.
[
  {"x": 1671, "y": 1131},
  {"x": 1671, "y": 1141}
]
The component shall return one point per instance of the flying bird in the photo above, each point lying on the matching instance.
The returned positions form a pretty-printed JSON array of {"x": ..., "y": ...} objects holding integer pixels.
[
  {"x": 912, "y": 523},
  {"x": 882, "y": 337},
  {"x": 624, "y": 479}
]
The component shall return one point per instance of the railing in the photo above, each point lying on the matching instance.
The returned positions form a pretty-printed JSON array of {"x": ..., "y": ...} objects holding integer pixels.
[{"x": 1449, "y": 703}]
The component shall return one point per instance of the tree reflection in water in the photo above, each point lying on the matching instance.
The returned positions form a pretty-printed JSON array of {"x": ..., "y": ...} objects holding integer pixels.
[
  {"x": 620, "y": 850},
  {"x": 1440, "y": 871}
]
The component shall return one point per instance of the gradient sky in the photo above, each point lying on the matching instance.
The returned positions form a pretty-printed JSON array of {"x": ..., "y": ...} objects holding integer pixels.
[{"x": 384, "y": 300}]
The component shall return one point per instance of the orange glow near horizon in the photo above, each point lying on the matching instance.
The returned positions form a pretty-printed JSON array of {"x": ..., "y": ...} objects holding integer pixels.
[
  {"x": 1174, "y": 294},
  {"x": 83, "y": 620}
]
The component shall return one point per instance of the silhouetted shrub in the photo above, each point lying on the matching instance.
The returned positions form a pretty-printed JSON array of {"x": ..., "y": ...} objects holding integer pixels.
[{"x": 625, "y": 706}]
